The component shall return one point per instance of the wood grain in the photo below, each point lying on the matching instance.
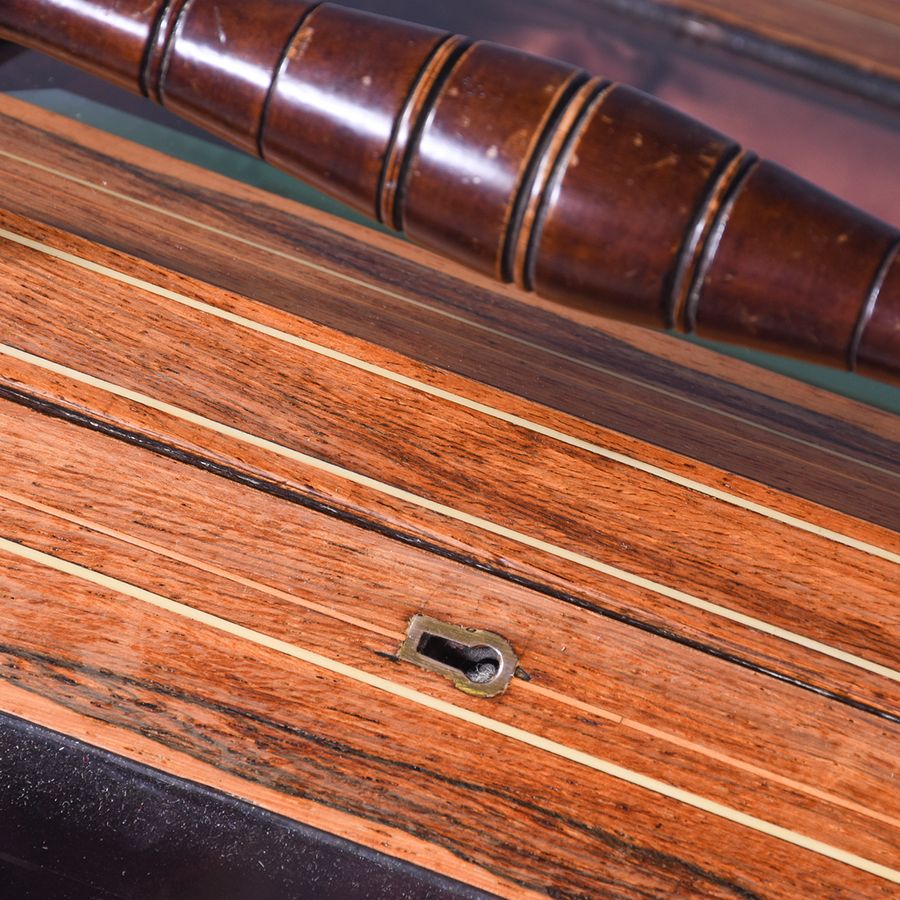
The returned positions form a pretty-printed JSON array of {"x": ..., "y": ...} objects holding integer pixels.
[
  {"x": 593, "y": 195},
  {"x": 296, "y": 556},
  {"x": 155, "y": 523},
  {"x": 277, "y": 720},
  {"x": 730, "y": 414},
  {"x": 217, "y": 518},
  {"x": 269, "y": 387}
]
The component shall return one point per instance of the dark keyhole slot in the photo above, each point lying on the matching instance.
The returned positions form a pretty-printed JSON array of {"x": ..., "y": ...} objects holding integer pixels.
[{"x": 479, "y": 664}]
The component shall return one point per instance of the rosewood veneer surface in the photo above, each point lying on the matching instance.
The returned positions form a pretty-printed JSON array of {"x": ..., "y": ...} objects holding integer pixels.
[{"x": 243, "y": 443}]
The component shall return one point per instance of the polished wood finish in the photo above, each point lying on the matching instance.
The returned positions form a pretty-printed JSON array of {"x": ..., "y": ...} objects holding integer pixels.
[
  {"x": 626, "y": 154},
  {"x": 110, "y": 39},
  {"x": 786, "y": 105},
  {"x": 469, "y": 169},
  {"x": 112, "y": 496},
  {"x": 156, "y": 55},
  {"x": 220, "y": 515},
  {"x": 631, "y": 210},
  {"x": 835, "y": 249},
  {"x": 222, "y": 47},
  {"x": 736, "y": 417},
  {"x": 333, "y": 107},
  {"x": 562, "y": 509},
  {"x": 879, "y": 330}
]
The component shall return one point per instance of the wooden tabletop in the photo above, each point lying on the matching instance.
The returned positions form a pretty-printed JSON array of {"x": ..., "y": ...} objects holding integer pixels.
[{"x": 247, "y": 442}]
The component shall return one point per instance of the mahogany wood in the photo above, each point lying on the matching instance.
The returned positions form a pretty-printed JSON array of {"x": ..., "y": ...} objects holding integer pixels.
[
  {"x": 630, "y": 152},
  {"x": 193, "y": 78},
  {"x": 834, "y": 247},
  {"x": 330, "y": 119},
  {"x": 834, "y": 122},
  {"x": 513, "y": 211},
  {"x": 468, "y": 170},
  {"x": 113, "y": 38},
  {"x": 876, "y": 348}
]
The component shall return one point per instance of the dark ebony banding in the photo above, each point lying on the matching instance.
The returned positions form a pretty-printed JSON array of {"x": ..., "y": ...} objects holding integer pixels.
[
  {"x": 792, "y": 269},
  {"x": 540, "y": 162},
  {"x": 557, "y": 160},
  {"x": 475, "y": 149},
  {"x": 283, "y": 59},
  {"x": 679, "y": 285},
  {"x": 409, "y": 125},
  {"x": 710, "y": 246},
  {"x": 220, "y": 62},
  {"x": 613, "y": 229},
  {"x": 158, "y": 48}
]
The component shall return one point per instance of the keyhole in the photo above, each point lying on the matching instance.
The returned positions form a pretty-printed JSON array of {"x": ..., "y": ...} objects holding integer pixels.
[{"x": 480, "y": 664}]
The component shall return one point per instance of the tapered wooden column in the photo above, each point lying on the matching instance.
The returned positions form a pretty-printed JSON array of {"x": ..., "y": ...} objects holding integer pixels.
[{"x": 591, "y": 194}]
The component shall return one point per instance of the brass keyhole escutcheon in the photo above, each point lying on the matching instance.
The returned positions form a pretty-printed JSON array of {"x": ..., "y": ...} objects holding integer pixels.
[{"x": 477, "y": 662}]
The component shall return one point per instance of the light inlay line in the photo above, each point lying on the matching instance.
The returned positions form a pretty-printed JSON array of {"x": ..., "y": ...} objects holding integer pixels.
[
  {"x": 709, "y": 752},
  {"x": 449, "y": 512},
  {"x": 448, "y": 396},
  {"x": 383, "y": 685},
  {"x": 527, "y": 686},
  {"x": 455, "y": 317},
  {"x": 203, "y": 566}
]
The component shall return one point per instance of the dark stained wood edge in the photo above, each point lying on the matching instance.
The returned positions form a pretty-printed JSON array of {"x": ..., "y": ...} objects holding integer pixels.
[{"x": 81, "y": 822}]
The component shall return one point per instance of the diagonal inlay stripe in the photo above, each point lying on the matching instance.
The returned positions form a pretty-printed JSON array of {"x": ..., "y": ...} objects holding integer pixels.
[
  {"x": 342, "y": 670},
  {"x": 527, "y": 686},
  {"x": 449, "y": 512},
  {"x": 472, "y": 323},
  {"x": 448, "y": 396}
]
